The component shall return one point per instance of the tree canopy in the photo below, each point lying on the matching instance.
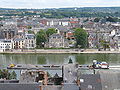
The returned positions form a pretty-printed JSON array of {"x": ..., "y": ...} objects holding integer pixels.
[
  {"x": 5, "y": 74},
  {"x": 81, "y": 37},
  {"x": 41, "y": 38},
  {"x": 96, "y": 19},
  {"x": 30, "y": 32},
  {"x": 51, "y": 31}
]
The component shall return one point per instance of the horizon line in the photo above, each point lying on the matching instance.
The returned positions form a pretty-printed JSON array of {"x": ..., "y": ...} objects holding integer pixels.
[{"x": 61, "y": 7}]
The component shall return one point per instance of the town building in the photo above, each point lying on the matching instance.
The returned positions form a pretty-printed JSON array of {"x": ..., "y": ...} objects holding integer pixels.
[
  {"x": 70, "y": 35},
  {"x": 8, "y": 31},
  {"x": 30, "y": 41},
  {"x": 5, "y": 45},
  {"x": 56, "y": 41},
  {"x": 18, "y": 43}
]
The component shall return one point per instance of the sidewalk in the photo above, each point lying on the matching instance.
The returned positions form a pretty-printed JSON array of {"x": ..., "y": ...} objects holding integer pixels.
[{"x": 58, "y": 51}]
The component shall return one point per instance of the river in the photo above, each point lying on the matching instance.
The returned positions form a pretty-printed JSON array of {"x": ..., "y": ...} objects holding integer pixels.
[{"x": 6, "y": 59}]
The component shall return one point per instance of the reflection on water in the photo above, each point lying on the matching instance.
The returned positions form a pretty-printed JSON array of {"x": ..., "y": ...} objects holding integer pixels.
[{"x": 6, "y": 59}]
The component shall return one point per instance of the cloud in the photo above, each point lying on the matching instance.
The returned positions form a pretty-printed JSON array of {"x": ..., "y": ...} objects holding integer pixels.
[{"x": 57, "y": 3}]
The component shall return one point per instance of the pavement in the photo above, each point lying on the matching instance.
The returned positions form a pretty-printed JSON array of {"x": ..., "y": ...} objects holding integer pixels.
[{"x": 58, "y": 51}]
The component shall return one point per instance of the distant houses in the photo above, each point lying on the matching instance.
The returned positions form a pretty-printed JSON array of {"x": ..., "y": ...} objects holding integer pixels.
[
  {"x": 27, "y": 42},
  {"x": 18, "y": 43},
  {"x": 99, "y": 33},
  {"x": 57, "y": 41}
]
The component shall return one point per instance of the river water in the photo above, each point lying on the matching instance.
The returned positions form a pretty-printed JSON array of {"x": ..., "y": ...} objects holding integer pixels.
[{"x": 6, "y": 59}]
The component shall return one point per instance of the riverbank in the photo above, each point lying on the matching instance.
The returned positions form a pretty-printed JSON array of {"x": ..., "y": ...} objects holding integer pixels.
[{"x": 61, "y": 51}]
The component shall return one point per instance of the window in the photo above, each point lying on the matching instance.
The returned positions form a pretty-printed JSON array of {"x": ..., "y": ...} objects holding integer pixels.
[
  {"x": 32, "y": 45},
  {"x": 54, "y": 37},
  {"x": 119, "y": 37}
]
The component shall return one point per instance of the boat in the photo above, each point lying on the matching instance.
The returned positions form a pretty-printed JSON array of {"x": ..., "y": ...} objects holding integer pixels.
[{"x": 100, "y": 65}]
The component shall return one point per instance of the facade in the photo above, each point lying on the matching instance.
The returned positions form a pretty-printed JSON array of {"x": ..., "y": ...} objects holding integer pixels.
[
  {"x": 18, "y": 43},
  {"x": 58, "y": 22},
  {"x": 70, "y": 35},
  {"x": 8, "y": 31},
  {"x": 56, "y": 41},
  {"x": 5, "y": 45},
  {"x": 30, "y": 41},
  {"x": 1, "y": 35},
  {"x": 8, "y": 34}
]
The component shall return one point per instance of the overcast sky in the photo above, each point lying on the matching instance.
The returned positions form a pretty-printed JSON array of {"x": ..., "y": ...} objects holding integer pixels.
[{"x": 57, "y": 3}]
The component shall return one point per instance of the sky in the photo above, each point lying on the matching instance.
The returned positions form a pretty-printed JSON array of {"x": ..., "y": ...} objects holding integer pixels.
[{"x": 40, "y": 4}]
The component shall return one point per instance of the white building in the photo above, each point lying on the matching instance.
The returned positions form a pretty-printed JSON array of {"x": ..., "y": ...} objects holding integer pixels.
[{"x": 5, "y": 45}]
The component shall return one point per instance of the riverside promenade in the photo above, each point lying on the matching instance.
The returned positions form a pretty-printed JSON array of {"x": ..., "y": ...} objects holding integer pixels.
[{"x": 52, "y": 51}]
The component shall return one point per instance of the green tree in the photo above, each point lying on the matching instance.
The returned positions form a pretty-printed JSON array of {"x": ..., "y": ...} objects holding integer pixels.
[
  {"x": 41, "y": 38},
  {"x": 30, "y": 32},
  {"x": 104, "y": 44},
  {"x": 4, "y": 74},
  {"x": 112, "y": 19},
  {"x": 29, "y": 27},
  {"x": 70, "y": 61},
  {"x": 13, "y": 75},
  {"x": 81, "y": 37},
  {"x": 51, "y": 31},
  {"x": 96, "y": 19}
]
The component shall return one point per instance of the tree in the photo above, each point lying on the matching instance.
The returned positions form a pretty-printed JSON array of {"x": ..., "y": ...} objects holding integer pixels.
[
  {"x": 51, "y": 31},
  {"x": 81, "y": 37},
  {"x": 30, "y": 32},
  {"x": 29, "y": 27},
  {"x": 13, "y": 75},
  {"x": 104, "y": 44},
  {"x": 5, "y": 74},
  {"x": 112, "y": 19},
  {"x": 41, "y": 38},
  {"x": 96, "y": 19},
  {"x": 70, "y": 61}
]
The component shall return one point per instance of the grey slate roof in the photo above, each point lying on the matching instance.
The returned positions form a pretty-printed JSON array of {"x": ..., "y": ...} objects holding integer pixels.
[
  {"x": 90, "y": 82},
  {"x": 70, "y": 87},
  {"x": 110, "y": 79},
  {"x": 70, "y": 73},
  {"x": 30, "y": 36},
  {"x": 18, "y": 39},
  {"x": 5, "y": 41},
  {"x": 19, "y": 87},
  {"x": 56, "y": 35}
]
